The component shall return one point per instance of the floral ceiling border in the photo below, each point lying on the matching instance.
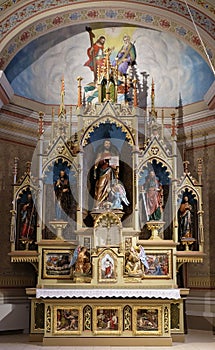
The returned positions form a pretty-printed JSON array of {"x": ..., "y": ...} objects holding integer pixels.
[
  {"x": 85, "y": 15},
  {"x": 178, "y": 7},
  {"x": 202, "y": 3}
]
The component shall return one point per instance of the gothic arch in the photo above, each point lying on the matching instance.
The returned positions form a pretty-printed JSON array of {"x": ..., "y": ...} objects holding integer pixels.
[{"x": 111, "y": 120}]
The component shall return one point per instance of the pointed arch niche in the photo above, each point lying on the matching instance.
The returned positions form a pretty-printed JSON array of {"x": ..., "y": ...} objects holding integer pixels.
[
  {"x": 122, "y": 142},
  {"x": 163, "y": 174}
]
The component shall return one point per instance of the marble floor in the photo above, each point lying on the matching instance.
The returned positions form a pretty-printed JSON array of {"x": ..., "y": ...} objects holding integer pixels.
[{"x": 194, "y": 340}]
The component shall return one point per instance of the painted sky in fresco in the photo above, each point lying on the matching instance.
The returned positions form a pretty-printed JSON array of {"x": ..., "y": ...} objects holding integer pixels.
[{"x": 175, "y": 67}]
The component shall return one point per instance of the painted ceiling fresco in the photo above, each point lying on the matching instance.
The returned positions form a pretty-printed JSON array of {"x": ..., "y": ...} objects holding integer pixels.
[{"x": 176, "y": 68}]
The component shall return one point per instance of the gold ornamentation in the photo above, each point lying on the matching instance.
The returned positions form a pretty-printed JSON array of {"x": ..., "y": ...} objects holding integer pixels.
[
  {"x": 87, "y": 318},
  {"x": 154, "y": 150},
  {"x": 107, "y": 219},
  {"x": 127, "y": 318},
  {"x": 166, "y": 320},
  {"x": 60, "y": 149},
  {"x": 48, "y": 319}
]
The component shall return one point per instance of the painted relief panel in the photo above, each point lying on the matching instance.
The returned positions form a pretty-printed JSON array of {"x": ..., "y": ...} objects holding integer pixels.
[
  {"x": 147, "y": 320},
  {"x": 56, "y": 264},
  {"x": 159, "y": 264},
  {"x": 107, "y": 320},
  {"x": 67, "y": 320},
  {"x": 107, "y": 268}
]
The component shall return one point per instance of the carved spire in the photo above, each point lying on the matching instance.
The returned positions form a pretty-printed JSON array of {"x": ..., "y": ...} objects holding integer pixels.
[
  {"x": 135, "y": 92},
  {"x": 15, "y": 169},
  {"x": 79, "y": 79},
  {"x": 153, "y": 113},
  {"x": 62, "y": 110},
  {"x": 200, "y": 163},
  {"x": 40, "y": 124},
  {"x": 186, "y": 163},
  {"x": 173, "y": 124},
  {"x": 28, "y": 167}
]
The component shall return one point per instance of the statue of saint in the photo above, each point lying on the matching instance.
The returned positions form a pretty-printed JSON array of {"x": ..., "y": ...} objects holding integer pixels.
[
  {"x": 107, "y": 186},
  {"x": 63, "y": 196},
  {"x": 153, "y": 197},
  {"x": 184, "y": 218},
  {"x": 28, "y": 218}
]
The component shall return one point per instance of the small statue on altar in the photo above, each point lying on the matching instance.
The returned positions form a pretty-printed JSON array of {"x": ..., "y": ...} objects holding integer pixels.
[
  {"x": 135, "y": 261},
  {"x": 81, "y": 261},
  {"x": 117, "y": 196},
  {"x": 62, "y": 190},
  {"x": 105, "y": 171},
  {"x": 184, "y": 218},
  {"x": 28, "y": 219}
]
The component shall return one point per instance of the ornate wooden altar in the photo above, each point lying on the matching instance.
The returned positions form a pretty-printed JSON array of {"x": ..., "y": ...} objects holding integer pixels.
[{"x": 107, "y": 216}]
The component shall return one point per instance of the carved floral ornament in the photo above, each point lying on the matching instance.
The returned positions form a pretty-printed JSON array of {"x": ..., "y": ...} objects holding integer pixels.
[
  {"x": 60, "y": 149},
  {"x": 107, "y": 219},
  {"x": 155, "y": 150}
]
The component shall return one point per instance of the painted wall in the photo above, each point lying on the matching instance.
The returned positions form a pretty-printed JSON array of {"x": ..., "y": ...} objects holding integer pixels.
[{"x": 176, "y": 68}]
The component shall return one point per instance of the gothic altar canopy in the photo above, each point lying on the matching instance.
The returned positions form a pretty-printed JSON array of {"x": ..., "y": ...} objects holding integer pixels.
[{"x": 108, "y": 211}]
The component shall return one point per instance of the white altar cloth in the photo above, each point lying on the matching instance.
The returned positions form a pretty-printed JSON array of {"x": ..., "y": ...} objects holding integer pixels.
[{"x": 111, "y": 293}]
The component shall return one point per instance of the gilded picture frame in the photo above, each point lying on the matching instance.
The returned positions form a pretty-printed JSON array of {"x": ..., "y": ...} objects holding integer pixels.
[
  {"x": 147, "y": 320},
  {"x": 107, "y": 267},
  {"x": 56, "y": 263},
  {"x": 67, "y": 320},
  {"x": 159, "y": 264},
  {"x": 107, "y": 320}
]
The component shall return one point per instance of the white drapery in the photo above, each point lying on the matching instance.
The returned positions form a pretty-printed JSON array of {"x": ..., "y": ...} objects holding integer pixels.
[{"x": 104, "y": 293}]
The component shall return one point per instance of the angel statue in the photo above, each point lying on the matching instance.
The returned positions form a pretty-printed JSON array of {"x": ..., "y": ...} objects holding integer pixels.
[
  {"x": 81, "y": 260},
  {"x": 117, "y": 195}
]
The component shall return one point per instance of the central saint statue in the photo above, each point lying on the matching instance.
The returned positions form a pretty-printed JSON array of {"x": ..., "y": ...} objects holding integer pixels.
[{"x": 108, "y": 190}]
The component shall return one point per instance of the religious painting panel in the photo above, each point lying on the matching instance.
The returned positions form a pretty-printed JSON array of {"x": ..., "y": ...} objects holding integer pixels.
[
  {"x": 107, "y": 267},
  {"x": 147, "y": 320},
  {"x": 67, "y": 320},
  {"x": 107, "y": 320},
  {"x": 56, "y": 263},
  {"x": 159, "y": 264}
]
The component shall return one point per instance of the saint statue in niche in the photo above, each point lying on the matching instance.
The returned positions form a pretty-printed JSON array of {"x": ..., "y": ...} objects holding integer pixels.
[
  {"x": 184, "y": 218},
  {"x": 28, "y": 218},
  {"x": 63, "y": 196},
  {"x": 153, "y": 197},
  {"x": 108, "y": 189}
]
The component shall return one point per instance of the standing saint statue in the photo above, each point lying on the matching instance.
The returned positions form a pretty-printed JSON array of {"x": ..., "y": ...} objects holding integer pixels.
[
  {"x": 63, "y": 196},
  {"x": 153, "y": 197},
  {"x": 105, "y": 172},
  {"x": 107, "y": 186},
  {"x": 184, "y": 218}
]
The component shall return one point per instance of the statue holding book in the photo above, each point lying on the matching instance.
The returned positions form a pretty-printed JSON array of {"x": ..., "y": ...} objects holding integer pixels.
[{"x": 106, "y": 170}]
